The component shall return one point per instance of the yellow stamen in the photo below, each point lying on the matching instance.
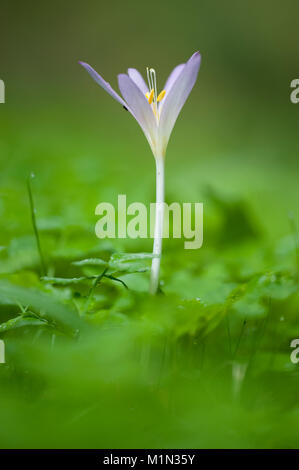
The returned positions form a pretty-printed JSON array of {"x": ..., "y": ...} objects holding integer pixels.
[
  {"x": 150, "y": 96},
  {"x": 161, "y": 95}
]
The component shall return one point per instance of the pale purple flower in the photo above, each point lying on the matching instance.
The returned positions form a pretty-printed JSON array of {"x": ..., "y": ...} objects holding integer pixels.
[{"x": 155, "y": 113}]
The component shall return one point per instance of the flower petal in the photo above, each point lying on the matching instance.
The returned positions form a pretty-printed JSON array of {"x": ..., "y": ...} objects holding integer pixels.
[
  {"x": 170, "y": 81},
  {"x": 173, "y": 76},
  {"x": 176, "y": 98},
  {"x": 140, "y": 107},
  {"x": 97, "y": 78},
  {"x": 138, "y": 79}
]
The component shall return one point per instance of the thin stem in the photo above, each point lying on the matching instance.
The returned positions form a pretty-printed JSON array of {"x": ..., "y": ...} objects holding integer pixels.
[
  {"x": 159, "y": 219},
  {"x": 94, "y": 285},
  {"x": 36, "y": 234}
]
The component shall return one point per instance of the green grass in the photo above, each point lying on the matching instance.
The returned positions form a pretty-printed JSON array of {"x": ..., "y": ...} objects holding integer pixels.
[{"x": 91, "y": 359}]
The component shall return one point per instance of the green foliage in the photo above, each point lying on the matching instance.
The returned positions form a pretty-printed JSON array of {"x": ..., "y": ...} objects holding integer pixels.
[{"x": 91, "y": 359}]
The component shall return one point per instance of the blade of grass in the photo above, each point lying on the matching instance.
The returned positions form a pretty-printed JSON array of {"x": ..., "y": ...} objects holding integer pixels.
[
  {"x": 240, "y": 338},
  {"x": 117, "y": 280},
  {"x": 94, "y": 285},
  {"x": 228, "y": 335},
  {"x": 33, "y": 219}
]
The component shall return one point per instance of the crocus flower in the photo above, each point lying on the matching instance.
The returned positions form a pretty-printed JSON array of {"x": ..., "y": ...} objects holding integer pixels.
[{"x": 156, "y": 113}]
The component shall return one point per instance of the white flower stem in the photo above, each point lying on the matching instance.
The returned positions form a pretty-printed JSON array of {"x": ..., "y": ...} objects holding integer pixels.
[{"x": 159, "y": 219}]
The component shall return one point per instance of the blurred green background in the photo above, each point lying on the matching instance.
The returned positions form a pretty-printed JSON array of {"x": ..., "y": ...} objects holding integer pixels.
[
  {"x": 141, "y": 374},
  {"x": 237, "y": 131}
]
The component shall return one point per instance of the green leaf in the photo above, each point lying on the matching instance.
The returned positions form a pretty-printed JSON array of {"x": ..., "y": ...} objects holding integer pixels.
[
  {"x": 121, "y": 257},
  {"x": 90, "y": 262},
  {"x": 21, "y": 321},
  {"x": 67, "y": 320},
  {"x": 64, "y": 281}
]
